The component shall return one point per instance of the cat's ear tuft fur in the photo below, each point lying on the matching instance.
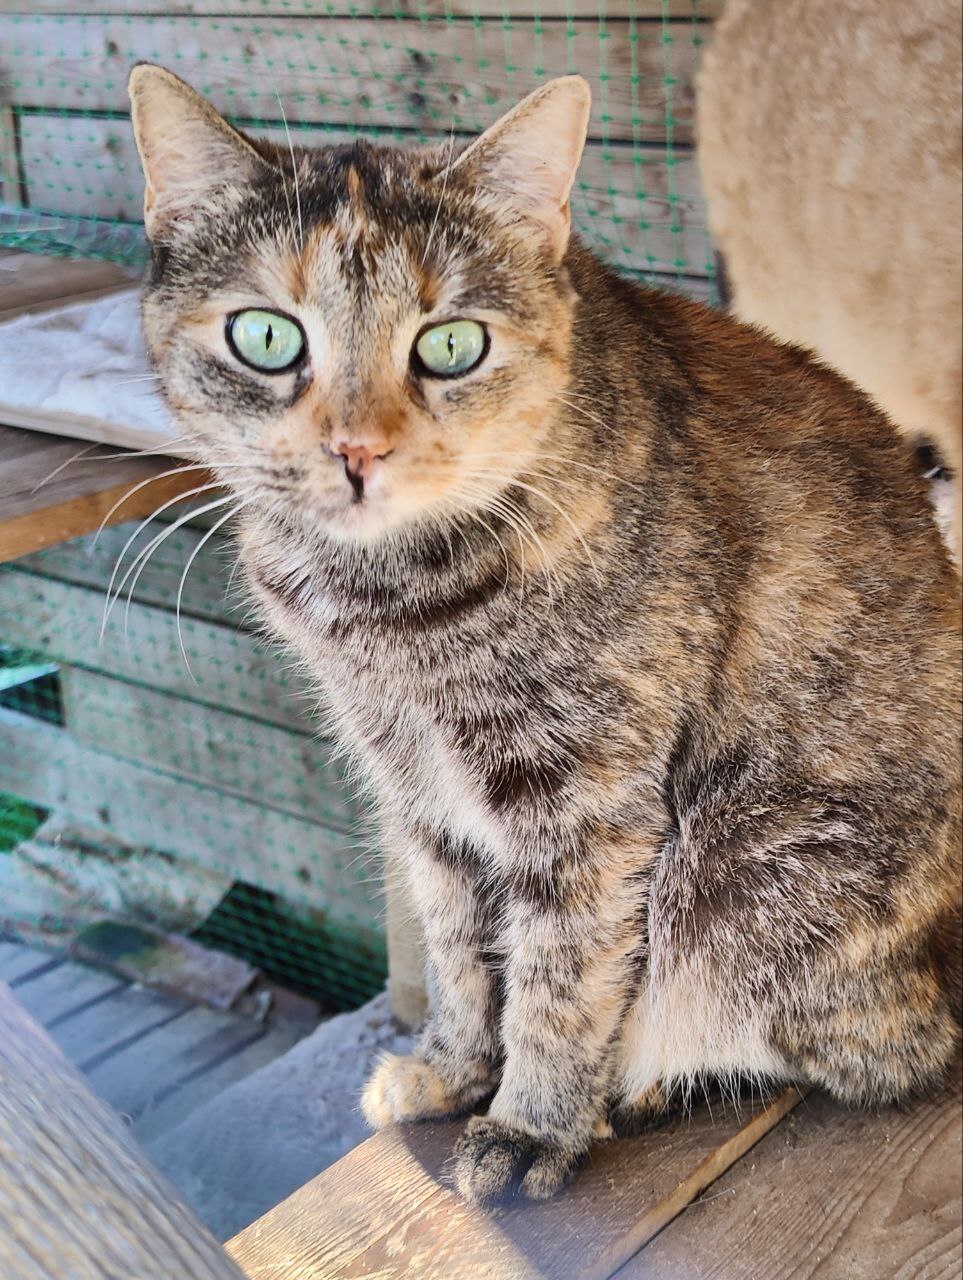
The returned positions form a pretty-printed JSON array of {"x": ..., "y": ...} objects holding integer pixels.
[
  {"x": 525, "y": 164},
  {"x": 184, "y": 145}
]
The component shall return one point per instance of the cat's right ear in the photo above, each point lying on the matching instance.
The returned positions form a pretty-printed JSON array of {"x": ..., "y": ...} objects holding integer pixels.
[{"x": 184, "y": 146}]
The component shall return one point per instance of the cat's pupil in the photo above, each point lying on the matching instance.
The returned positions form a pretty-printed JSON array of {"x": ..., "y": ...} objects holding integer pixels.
[
  {"x": 268, "y": 338},
  {"x": 451, "y": 347}
]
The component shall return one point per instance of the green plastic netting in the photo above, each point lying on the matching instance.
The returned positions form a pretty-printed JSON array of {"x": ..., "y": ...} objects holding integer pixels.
[{"x": 219, "y": 768}]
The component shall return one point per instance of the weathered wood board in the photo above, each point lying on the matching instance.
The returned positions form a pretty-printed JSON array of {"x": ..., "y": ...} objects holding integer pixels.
[
  {"x": 62, "y": 878},
  {"x": 63, "y": 991},
  {"x": 634, "y": 207},
  {"x": 154, "y": 1070},
  {"x": 231, "y": 669},
  {"x": 209, "y": 592},
  {"x": 306, "y": 862},
  {"x": 78, "y": 1196},
  {"x": 37, "y": 512},
  {"x": 644, "y": 10},
  {"x": 831, "y": 1194},
  {"x": 423, "y": 75},
  {"x": 386, "y": 1209},
  {"x": 289, "y": 770},
  {"x": 30, "y": 282}
]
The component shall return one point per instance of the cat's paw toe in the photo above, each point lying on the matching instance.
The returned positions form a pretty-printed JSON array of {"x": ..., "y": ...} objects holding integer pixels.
[
  {"x": 493, "y": 1161},
  {"x": 408, "y": 1088}
]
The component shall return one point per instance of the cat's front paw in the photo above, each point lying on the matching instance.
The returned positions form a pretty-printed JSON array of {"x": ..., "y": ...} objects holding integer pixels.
[
  {"x": 409, "y": 1088},
  {"x": 493, "y": 1161}
]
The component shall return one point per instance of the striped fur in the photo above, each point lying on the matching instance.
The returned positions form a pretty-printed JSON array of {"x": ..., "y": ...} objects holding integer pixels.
[{"x": 643, "y": 637}]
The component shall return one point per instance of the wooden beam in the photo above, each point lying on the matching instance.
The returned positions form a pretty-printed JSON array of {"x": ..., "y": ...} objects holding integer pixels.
[
  {"x": 634, "y": 207},
  {"x": 836, "y": 1192},
  {"x": 291, "y": 770},
  {"x": 90, "y": 561},
  {"x": 37, "y": 511},
  {"x": 406, "y": 953},
  {"x": 31, "y": 282},
  {"x": 229, "y": 668},
  {"x": 9, "y": 158},
  {"x": 643, "y": 10},
  {"x": 79, "y": 1197},
  {"x": 386, "y": 1209},
  {"x": 422, "y": 75}
]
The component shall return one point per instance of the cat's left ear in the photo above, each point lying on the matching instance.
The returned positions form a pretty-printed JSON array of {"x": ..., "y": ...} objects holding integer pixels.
[
  {"x": 525, "y": 164},
  {"x": 185, "y": 147}
]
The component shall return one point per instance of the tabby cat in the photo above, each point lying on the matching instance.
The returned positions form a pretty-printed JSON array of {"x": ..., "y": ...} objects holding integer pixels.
[
  {"x": 636, "y": 621},
  {"x": 831, "y": 153}
]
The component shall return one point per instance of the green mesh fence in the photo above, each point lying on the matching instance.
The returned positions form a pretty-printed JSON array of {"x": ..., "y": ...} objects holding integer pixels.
[
  {"x": 413, "y": 71},
  {"x": 188, "y": 739}
]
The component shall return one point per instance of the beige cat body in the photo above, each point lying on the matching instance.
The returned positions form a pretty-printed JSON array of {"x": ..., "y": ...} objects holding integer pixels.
[{"x": 830, "y": 151}]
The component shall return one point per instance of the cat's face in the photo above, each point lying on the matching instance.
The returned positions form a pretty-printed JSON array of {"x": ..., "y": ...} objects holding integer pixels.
[{"x": 361, "y": 338}]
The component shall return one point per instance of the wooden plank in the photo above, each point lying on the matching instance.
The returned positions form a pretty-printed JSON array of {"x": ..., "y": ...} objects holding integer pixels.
[
  {"x": 231, "y": 669},
  {"x": 10, "y": 190},
  {"x": 206, "y": 1083},
  {"x": 89, "y": 562},
  {"x": 18, "y": 963},
  {"x": 30, "y": 282},
  {"x": 385, "y": 1210},
  {"x": 153, "y": 1066},
  {"x": 78, "y": 1197},
  {"x": 406, "y": 953},
  {"x": 832, "y": 1193},
  {"x": 101, "y": 1029},
  {"x": 303, "y": 861},
  {"x": 629, "y": 203},
  {"x": 70, "y": 988},
  {"x": 644, "y": 10},
  {"x": 36, "y": 511},
  {"x": 288, "y": 770},
  {"x": 428, "y": 75}
]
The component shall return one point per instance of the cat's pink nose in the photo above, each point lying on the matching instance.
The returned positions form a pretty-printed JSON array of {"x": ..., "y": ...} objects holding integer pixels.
[{"x": 359, "y": 459}]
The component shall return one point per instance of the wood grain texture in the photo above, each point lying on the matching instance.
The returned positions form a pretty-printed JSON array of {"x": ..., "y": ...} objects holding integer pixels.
[
  {"x": 31, "y": 282},
  {"x": 406, "y": 953},
  {"x": 420, "y": 75},
  {"x": 386, "y": 1211},
  {"x": 831, "y": 1195},
  {"x": 307, "y": 863},
  {"x": 77, "y": 1197},
  {"x": 231, "y": 669},
  {"x": 10, "y": 184},
  {"x": 37, "y": 512},
  {"x": 57, "y": 993},
  {"x": 210, "y": 746},
  {"x": 208, "y": 591},
  {"x": 645, "y": 10},
  {"x": 634, "y": 207}
]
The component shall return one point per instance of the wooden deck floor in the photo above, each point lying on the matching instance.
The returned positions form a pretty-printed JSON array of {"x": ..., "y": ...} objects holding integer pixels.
[{"x": 152, "y": 1057}]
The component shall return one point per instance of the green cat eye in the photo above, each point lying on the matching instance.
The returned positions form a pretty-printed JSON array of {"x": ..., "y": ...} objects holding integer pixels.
[
  {"x": 265, "y": 340},
  {"x": 451, "y": 348}
]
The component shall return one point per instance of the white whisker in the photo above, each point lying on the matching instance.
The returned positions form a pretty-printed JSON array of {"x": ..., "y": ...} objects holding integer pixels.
[
  {"x": 144, "y": 556},
  {"x": 196, "y": 466},
  {"x": 441, "y": 198},
  {"x": 57, "y": 470},
  {"x": 187, "y": 568},
  {"x": 180, "y": 497},
  {"x": 294, "y": 170}
]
